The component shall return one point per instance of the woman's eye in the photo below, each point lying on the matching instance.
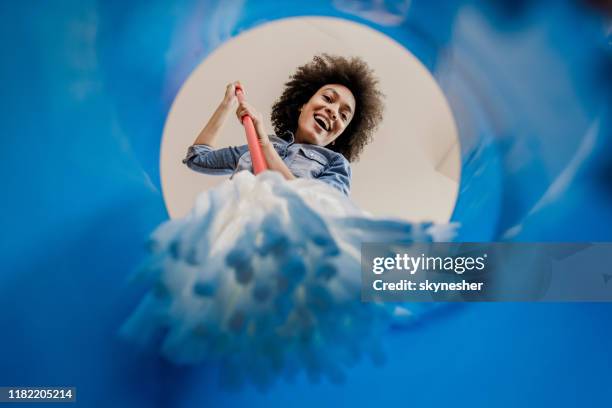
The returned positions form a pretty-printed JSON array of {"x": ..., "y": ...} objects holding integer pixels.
[
  {"x": 327, "y": 98},
  {"x": 344, "y": 117}
]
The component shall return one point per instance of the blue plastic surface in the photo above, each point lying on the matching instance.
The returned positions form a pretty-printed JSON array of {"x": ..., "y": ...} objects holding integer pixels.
[{"x": 86, "y": 89}]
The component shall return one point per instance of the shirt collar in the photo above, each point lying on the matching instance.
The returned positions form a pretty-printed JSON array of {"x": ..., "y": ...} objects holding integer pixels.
[{"x": 288, "y": 136}]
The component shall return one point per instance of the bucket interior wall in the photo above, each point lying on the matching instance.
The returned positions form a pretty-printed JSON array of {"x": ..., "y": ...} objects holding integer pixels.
[{"x": 87, "y": 88}]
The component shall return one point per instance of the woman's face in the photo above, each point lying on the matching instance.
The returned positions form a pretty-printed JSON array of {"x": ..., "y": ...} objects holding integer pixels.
[{"x": 325, "y": 116}]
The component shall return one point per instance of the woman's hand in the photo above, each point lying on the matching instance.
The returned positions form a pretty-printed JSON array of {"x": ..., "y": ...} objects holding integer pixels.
[
  {"x": 212, "y": 129},
  {"x": 230, "y": 93},
  {"x": 246, "y": 109}
]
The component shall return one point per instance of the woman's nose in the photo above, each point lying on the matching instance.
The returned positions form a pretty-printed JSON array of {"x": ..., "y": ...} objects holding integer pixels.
[{"x": 332, "y": 113}]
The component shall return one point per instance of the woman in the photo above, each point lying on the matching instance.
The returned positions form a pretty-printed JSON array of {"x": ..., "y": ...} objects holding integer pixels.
[{"x": 324, "y": 118}]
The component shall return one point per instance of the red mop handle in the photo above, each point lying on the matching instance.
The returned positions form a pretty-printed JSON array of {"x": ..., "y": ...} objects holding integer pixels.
[{"x": 257, "y": 157}]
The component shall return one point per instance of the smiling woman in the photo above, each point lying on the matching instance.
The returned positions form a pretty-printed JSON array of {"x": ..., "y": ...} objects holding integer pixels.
[
  {"x": 342, "y": 94},
  {"x": 325, "y": 116}
]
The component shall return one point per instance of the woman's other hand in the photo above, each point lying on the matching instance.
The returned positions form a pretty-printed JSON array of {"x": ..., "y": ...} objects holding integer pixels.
[{"x": 246, "y": 109}]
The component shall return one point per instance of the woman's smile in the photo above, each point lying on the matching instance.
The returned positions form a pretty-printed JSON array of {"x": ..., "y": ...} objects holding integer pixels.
[{"x": 321, "y": 122}]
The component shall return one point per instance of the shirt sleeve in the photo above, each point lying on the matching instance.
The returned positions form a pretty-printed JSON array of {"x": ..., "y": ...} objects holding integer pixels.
[
  {"x": 338, "y": 175},
  {"x": 204, "y": 159}
]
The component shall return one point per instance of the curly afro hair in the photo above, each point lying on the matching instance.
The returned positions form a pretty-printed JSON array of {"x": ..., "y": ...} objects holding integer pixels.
[{"x": 326, "y": 69}]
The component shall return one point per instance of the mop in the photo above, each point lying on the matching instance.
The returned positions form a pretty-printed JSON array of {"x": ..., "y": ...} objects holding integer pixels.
[{"x": 262, "y": 279}]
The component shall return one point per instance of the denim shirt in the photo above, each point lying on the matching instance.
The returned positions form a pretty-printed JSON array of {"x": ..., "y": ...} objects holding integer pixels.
[{"x": 304, "y": 160}]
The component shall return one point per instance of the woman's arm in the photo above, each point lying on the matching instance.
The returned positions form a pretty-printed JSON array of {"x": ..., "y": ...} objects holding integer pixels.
[
  {"x": 273, "y": 159},
  {"x": 205, "y": 159},
  {"x": 211, "y": 131}
]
